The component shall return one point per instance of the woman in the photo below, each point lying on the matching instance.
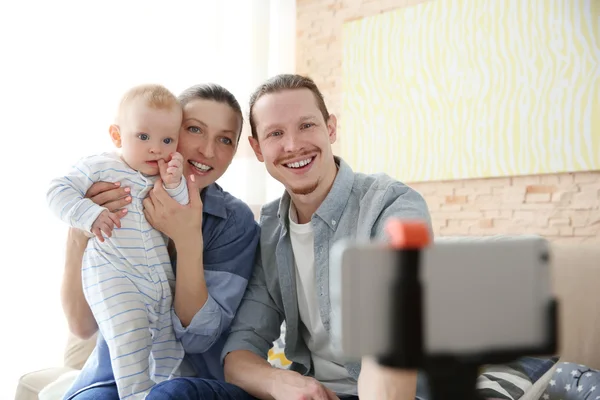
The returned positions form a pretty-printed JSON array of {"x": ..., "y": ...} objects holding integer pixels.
[{"x": 214, "y": 239}]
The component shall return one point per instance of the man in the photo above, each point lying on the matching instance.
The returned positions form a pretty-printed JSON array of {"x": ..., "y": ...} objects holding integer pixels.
[
  {"x": 325, "y": 201},
  {"x": 293, "y": 133}
]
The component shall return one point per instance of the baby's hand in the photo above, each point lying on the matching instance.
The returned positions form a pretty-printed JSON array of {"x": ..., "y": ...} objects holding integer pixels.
[
  {"x": 171, "y": 173},
  {"x": 105, "y": 223}
]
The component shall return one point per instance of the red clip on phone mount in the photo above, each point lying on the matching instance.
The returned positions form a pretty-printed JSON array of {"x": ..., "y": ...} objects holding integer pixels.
[{"x": 450, "y": 376}]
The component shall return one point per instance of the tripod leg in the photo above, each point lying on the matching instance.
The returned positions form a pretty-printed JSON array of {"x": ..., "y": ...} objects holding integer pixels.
[{"x": 451, "y": 380}]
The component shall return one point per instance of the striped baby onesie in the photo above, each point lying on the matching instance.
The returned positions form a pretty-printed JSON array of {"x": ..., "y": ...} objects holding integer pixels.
[{"x": 127, "y": 280}]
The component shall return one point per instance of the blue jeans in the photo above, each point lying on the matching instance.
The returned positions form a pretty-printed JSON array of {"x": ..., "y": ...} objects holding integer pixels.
[{"x": 179, "y": 388}]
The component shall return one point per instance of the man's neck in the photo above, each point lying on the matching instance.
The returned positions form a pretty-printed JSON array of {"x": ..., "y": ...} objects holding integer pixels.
[{"x": 307, "y": 204}]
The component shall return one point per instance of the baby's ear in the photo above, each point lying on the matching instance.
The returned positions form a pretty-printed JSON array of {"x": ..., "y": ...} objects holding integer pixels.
[{"x": 115, "y": 135}]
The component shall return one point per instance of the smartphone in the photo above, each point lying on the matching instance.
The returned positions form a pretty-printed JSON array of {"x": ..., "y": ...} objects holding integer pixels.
[{"x": 479, "y": 295}]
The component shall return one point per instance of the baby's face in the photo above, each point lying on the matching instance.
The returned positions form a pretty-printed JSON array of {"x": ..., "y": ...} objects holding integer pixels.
[{"x": 149, "y": 134}]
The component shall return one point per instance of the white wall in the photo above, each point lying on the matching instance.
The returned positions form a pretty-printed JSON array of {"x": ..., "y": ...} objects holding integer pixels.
[{"x": 63, "y": 66}]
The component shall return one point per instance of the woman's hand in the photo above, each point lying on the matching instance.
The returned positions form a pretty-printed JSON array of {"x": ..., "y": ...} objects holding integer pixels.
[
  {"x": 110, "y": 195},
  {"x": 177, "y": 221}
]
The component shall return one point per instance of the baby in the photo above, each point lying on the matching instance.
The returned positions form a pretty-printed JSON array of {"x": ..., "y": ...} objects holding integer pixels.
[{"x": 127, "y": 275}]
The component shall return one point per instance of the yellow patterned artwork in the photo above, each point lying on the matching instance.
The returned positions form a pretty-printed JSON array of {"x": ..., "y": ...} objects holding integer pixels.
[{"x": 453, "y": 89}]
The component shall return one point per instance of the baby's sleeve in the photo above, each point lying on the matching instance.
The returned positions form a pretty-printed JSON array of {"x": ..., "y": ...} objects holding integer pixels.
[
  {"x": 180, "y": 193},
  {"x": 66, "y": 200}
]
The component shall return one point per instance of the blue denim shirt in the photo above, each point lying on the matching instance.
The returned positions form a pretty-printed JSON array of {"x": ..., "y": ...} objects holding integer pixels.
[
  {"x": 231, "y": 237},
  {"x": 357, "y": 207}
]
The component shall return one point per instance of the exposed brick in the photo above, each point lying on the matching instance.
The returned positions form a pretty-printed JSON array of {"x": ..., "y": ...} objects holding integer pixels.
[
  {"x": 585, "y": 200},
  {"x": 590, "y": 230},
  {"x": 566, "y": 178},
  {"x": 456, "y": 199},
  {"x": 498, "y": 214},
  {"x": 520, "y": 216},
  {"x": 586, "y": 177},
  {"x": 580, "y": 219},
  {"x": 537, "y": 197},
  {"x": 593, "y": 188},
  {"x": 526, "y": 180},
  {"x": 473, "y": 190},
  {"x": 540, "y": 189},
  {"x": 562, "y": 198},
  {"x": 567, "y": 240},
  {"x": 513, "y": 194},
  {"x": 464, "y": 214},
  {"x": 566, "y": 230},
  {"x": 559, "y": 222},
  {"x": 488, "y": 182},
  {"x": 450, "y": 207},
  {"x": 550, "y": 179},
  {"x": 503, "y": 223},
  {"x": 452, "y": 231},
  {"x": 486, "y": 198},
  {"x": 486, "y": 223},
  {"x": 549, "y": 231},
  {"x": 536, "y": 206}
]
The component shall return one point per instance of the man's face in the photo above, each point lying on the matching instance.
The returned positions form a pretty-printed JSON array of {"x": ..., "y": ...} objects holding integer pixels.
[{"x": 294, "y": 140}]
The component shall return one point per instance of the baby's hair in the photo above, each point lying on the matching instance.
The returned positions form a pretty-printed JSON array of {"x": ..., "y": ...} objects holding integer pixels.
[{"x": 153, "y": 95}]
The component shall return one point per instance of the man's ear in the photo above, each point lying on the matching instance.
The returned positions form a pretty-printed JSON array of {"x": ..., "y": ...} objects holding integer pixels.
[
  {"x": 115, "y": 135},
  {"x": 332, "y": 128},
  {"x": 256, "y": 147}
]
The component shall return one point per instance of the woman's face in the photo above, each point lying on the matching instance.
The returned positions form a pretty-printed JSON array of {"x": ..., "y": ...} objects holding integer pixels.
[{"x": 208, "y": 139}]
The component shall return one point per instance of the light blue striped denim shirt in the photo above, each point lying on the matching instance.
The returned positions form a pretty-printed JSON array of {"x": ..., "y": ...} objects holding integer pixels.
[{"x": 357, "y": 207}]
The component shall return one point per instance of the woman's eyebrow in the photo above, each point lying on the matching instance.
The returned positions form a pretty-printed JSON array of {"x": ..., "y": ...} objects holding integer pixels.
[{"x": 196, "y": 120}]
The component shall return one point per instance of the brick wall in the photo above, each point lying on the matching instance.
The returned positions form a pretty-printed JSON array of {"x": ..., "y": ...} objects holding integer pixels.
[{"x": 563, "y": 207}]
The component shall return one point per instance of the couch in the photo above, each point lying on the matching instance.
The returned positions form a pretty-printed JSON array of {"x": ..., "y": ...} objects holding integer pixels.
[{"x": 575, "y": 280}]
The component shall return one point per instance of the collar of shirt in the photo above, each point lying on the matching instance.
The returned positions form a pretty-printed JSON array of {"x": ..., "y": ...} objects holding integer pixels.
[
  {"x": 213, "y": 201},
  {"x": 330, "y": 211}
]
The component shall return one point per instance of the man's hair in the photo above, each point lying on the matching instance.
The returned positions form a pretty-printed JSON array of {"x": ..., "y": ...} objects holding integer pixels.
[
  {"x": 153, "y": 95},
  {"x": 283, "y": 82},
  {"x": 214, "y": 92}
]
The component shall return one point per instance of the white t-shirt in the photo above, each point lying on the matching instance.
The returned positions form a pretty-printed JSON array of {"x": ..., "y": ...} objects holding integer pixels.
[{"x": 328, "y": 363}]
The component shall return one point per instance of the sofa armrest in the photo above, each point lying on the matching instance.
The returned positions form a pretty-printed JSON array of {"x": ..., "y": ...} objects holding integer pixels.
[
  {"x": 32, "y": 383},
  {"x": 78, "y": 351}
]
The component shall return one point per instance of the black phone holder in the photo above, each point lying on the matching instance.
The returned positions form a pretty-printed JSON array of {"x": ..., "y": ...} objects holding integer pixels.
[{"x": 450, "y": 376}]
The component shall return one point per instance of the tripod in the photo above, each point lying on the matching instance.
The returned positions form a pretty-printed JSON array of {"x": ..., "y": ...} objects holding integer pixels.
[{"x": 451, "y": 376}]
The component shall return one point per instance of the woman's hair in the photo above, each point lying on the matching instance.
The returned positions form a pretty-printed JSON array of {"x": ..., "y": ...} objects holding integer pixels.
[{"x": 214, "y": 92}]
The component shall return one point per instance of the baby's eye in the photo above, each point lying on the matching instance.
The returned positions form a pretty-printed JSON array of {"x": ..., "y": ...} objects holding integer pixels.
[
  {"x": 143, "y": 136},
  {"x": 168, "y": 141}
]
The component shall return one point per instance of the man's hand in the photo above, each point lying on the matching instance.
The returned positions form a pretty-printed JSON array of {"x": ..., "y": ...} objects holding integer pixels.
[
  {"x": 290, "y": 385},
  {"x": 381, "y": 383},
  {"x": 171, "y": 173},
  {"x": 105, "y": 223}
]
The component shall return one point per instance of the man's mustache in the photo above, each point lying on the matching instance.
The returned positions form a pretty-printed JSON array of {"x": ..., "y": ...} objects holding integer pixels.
[{"x": 288, "y": 158}]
